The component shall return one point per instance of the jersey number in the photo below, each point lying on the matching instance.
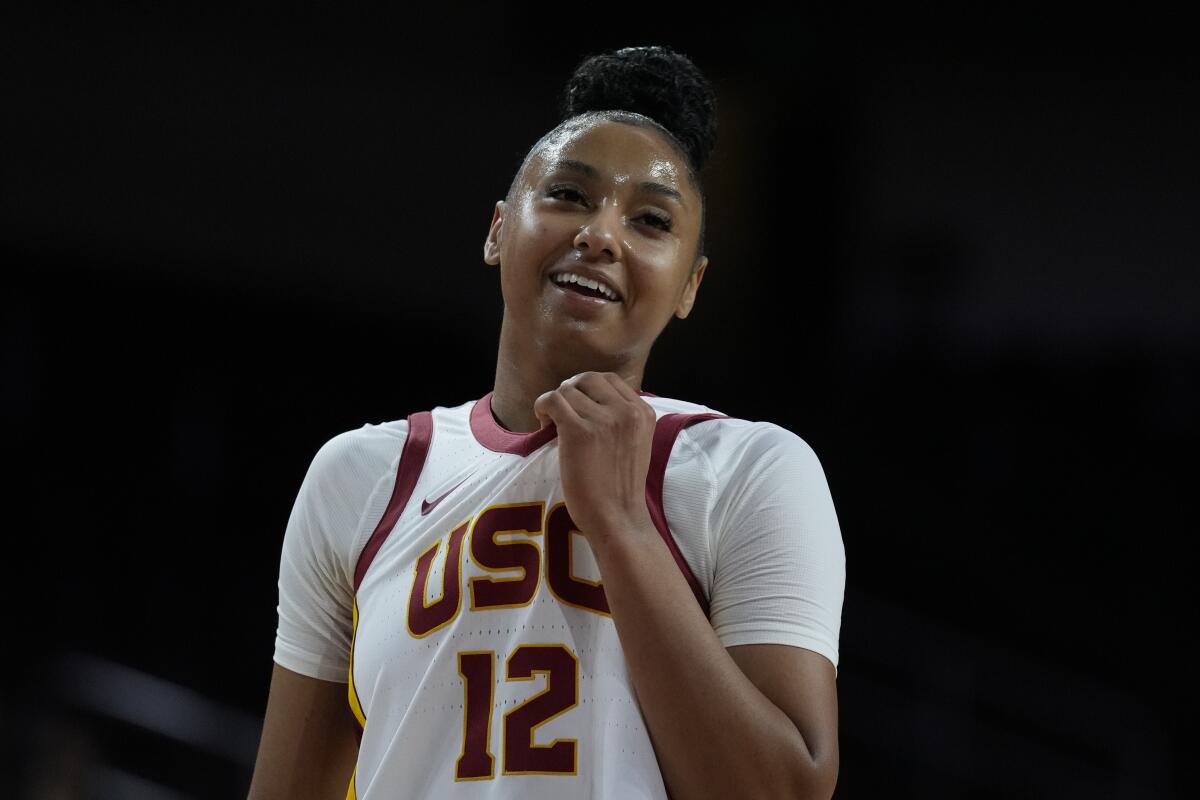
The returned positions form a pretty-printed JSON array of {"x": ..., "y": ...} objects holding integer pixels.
[{"x": 521, "y": 755}]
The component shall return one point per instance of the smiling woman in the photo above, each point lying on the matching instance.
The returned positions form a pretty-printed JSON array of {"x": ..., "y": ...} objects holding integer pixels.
[{"x": 569, "y": 587}]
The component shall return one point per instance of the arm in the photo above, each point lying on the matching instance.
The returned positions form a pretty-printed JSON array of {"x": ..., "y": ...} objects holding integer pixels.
[
  {"x": 749, "y": 721},
  {"x": 309, "y": 744},
  {"x": 754, "y": 720}
]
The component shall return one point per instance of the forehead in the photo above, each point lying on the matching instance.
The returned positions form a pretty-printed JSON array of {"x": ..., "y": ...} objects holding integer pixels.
[{"x": 619, "y": 152}]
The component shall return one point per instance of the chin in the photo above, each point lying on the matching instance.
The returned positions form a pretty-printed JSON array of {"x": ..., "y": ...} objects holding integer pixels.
[{"x": 577, "y": 352}]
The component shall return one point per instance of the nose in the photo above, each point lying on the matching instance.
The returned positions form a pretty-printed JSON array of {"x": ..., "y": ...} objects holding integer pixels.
[{"x": 601, "y": 233}]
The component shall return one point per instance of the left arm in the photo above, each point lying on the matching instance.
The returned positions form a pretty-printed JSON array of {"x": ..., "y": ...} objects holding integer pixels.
[{"x": 749, "y": 721}]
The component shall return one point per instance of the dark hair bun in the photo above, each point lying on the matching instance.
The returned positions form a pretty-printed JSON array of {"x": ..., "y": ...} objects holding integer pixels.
[{"x": 656, "y": 82}]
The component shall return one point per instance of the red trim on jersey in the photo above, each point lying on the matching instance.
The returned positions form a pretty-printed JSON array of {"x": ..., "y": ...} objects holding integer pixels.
[
  {"x": 665, "y": 432},
  {"x": 412, "y": 460},
  {"x": 492, "y": 435},
  {"x": 489, "y": 433}
]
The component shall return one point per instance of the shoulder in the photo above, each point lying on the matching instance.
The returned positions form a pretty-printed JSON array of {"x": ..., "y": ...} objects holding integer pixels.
[
  {"x": 729, "y": 442},
  {"x": 670, "y": 405},
  {"x": 346, "y": 472},
  {"x": 355, "y": 461},
  {"x": 753, "y": 444},
  {"x": 358, "y": 456},
  {"x": 372, "y": 442}
]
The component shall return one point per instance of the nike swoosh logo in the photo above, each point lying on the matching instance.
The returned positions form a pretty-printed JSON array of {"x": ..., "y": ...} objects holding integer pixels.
[{"x": 427, "y": 506}]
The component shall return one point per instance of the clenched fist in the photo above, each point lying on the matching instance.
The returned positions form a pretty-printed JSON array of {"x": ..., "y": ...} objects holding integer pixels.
[{"x": 605, "y": 433}]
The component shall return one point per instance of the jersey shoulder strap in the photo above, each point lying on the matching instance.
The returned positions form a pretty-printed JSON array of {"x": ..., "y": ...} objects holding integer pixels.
[
  {"x": 412, "y": 461},
  {"x": 666, "y": 430}
]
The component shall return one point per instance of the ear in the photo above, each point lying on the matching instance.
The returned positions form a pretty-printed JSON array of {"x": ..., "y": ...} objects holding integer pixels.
[
  {"x": 495, "y": 237},
  {"x": 690, "y": 288}
]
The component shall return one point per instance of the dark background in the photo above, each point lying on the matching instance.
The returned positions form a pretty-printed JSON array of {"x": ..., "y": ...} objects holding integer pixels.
[{"x": 954, "y": 253}]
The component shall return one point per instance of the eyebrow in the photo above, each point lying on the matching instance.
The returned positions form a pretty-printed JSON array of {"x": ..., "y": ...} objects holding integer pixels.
[{"x": 646, "y": 186}]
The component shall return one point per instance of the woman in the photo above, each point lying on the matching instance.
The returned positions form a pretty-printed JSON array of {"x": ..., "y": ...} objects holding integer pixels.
[{"x": 570, "y": 587}]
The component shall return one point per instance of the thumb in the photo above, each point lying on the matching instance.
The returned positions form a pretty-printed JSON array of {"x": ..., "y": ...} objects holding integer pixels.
[{"x": 541, "y": 409}]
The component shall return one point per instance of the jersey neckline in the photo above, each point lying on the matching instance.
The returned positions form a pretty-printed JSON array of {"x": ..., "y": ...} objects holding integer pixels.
[{"x": 492, "y": 435}]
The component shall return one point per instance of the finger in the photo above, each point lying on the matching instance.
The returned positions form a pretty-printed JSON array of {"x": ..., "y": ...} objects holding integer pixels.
[
  {"x": 543, "y": 417},
  {"x": 581, "y": 403},
  {"x": 629, "y": 396},
  {"x": 551, "y": 406},
  {"x": 596, "y": 386},
  {"x": 624, "y": 389}
]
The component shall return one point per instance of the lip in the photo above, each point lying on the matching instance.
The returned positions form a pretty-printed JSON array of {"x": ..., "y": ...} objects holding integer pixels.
[
  {"x": 592, "y": 274},
  {"x": 580, "y": 302}
]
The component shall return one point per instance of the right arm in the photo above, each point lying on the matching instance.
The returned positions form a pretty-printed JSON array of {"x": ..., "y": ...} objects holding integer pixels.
[
  {"x": 309, "y": 744},
  {"x": 309, "y": 740}
]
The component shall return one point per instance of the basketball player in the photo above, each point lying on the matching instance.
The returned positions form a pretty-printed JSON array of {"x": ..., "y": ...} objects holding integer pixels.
[{"x": 569, "y": 587}]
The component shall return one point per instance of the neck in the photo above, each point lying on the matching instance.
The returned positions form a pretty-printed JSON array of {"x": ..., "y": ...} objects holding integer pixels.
[{"x": 525, "y": 371}]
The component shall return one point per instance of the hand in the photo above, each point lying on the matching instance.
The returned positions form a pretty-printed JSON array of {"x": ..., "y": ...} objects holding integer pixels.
[{"x": 605, "y": 433}]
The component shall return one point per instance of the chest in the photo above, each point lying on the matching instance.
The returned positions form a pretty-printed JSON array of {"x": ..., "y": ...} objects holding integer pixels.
[{"x": 483, "y": 559}]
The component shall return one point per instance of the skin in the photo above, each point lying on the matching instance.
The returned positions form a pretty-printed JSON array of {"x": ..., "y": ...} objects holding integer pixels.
[
  {"x": 559, "y": 217},
  {"x": 308, "y": 746},
  {"x": 749, "y": 721}
]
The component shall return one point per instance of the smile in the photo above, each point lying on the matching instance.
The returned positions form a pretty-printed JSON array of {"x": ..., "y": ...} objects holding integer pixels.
[
  {"x": 576, "y": 299},
  {"x": 571, "y": 283}
]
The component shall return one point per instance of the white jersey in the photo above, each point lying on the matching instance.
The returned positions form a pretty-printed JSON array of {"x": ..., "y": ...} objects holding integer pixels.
[{"x": 431, "y": 562}]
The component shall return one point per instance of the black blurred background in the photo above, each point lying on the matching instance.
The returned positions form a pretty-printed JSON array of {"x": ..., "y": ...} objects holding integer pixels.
[{"x": 953, "y": 252}]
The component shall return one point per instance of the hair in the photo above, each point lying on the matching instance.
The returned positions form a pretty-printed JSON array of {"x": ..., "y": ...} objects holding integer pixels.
[{"x": 652, "y": 87}]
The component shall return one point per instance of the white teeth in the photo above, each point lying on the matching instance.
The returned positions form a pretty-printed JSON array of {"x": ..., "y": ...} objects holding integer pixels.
[{"x": 570, "y": 277}]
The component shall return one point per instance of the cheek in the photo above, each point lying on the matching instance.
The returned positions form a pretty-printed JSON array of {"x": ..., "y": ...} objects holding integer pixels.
[{"x": 534, "y": 238}]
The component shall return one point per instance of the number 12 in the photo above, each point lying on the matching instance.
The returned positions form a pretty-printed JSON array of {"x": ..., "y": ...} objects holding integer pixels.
[{"x": 521, "y": 755}]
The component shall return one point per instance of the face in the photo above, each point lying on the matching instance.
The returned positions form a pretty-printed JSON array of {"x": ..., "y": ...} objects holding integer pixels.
[{"x": 607, "y": 200}]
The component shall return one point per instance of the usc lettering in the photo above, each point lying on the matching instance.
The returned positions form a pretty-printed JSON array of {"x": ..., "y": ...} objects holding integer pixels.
[
  {"x": 563, "y": 584},
  {"x": 493, "y": 556},
  {"x": 425, "y": 618}
]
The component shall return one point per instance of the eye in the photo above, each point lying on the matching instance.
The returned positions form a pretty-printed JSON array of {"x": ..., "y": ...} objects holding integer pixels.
[
  {"x": 657, "y": 220},
  {"x": 566, "y": 192}
]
